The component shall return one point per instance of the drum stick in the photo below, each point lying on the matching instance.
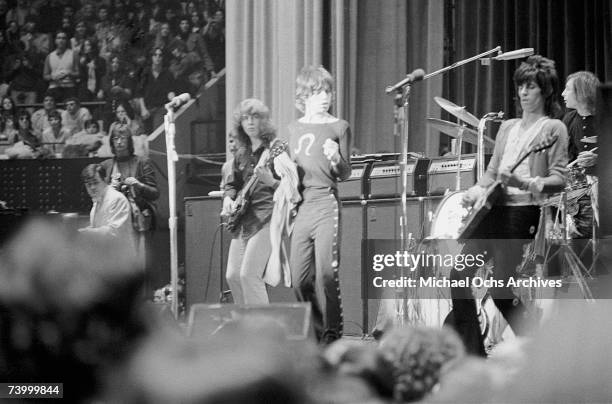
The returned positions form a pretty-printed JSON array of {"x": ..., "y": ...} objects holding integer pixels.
[{"x": 573, "y": 163}]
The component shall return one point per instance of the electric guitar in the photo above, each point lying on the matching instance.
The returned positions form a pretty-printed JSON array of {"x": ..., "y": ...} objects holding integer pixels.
[
  {"x": 485, "y": 203},
  {"x": 241, "y": 203}
]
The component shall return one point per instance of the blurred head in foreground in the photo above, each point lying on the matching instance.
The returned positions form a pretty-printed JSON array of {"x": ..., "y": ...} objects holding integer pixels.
[{"x": 69, "y": 308}]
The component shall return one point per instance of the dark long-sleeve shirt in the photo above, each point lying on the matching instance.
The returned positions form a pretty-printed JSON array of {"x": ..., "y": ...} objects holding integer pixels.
[
  {"x": 579, "y": 127},
  {"x": 306, "y": 147},
  {"x": 261, "y": 203}
]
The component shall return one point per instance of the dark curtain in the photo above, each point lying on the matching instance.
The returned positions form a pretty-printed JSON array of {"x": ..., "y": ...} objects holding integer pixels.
[
  {"x": 373, "y": 44},
  {"x": 576, "y": 34}
]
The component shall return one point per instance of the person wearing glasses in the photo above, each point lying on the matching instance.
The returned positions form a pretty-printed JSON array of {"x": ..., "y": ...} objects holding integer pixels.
[
  {"x": 134, "y": 176},
  {"x": 28, "y": 144}
]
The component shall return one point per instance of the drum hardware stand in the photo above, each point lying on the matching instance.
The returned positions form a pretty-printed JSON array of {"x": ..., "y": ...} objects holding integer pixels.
[
  {"x": 593, "y": 243},
  {"x": 403, "y": 87},
  {"x": 459, "y": 149},
  {"x": 565, "y": 251},
  {"x": 480, "y": 149}
]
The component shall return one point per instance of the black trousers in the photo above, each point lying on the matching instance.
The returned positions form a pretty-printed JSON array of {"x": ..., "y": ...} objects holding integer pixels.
[{"x": 502, "y": 236}]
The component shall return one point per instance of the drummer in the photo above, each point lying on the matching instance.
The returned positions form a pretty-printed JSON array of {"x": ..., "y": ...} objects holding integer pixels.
[
  {"x": 580, "y": 96},
  {"x": 515, "y": 216}
]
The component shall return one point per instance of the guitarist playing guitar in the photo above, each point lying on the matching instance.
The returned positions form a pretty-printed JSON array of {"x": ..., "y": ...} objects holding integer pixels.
[
  {"x": 529, "y": 160},
  {"x": 248, "y": 202}
]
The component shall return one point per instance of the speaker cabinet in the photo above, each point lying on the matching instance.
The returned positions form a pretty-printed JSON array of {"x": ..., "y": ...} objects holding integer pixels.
[
  {"x": 351, "y": 235},
  {"x": 206, "y": 250},
  {"x": 383, "y": 218},
  {"x": 206, "y": 247},
  {"x": 209, "y": 319}
]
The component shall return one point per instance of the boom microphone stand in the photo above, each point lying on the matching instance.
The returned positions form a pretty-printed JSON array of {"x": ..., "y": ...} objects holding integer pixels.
[{"x": 403, "y": 87}]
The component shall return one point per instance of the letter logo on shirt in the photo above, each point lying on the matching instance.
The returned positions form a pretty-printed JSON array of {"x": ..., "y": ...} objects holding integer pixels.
[{"x": 309, "y": 138}]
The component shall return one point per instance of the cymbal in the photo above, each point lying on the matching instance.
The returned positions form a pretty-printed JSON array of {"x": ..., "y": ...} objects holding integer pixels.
[
  {"x": 452, "y": 129},
  {"x": 457, "y": 111}
]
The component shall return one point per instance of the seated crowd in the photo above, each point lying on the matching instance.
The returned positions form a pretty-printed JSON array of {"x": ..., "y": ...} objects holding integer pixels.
[{"x": 124, "y": 58}]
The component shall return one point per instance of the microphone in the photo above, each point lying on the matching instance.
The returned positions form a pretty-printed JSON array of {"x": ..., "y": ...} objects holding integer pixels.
[
  {"x": 178, "y": 101},
  {"x": 416, "y": 75},
  {"x": 515, "y": 54}
]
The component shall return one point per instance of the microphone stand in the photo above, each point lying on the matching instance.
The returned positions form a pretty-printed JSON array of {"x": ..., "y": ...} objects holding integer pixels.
[
  {"x": 172, "y": 158},
  {"x": 405, "y": 91},
  {"x": 403, "y": 88}
]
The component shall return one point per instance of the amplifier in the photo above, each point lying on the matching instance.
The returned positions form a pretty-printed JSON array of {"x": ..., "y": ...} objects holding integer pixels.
[
  {"x": 443, "y": 174},
  {"x": 385, "y": 178},
  {"x": 355, "y": 187}
]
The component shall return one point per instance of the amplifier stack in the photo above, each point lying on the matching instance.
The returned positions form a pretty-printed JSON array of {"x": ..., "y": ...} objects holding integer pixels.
[{"x": 379, "y": 176}]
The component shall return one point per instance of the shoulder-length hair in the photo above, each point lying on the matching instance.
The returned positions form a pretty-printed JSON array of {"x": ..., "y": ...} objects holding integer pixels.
[
  {"x": 311, "y": 80},
  {"x": 540, "y": 70},
  {"x": 585, "y": 87},
  {"x": 252, "y": 106},
  {"x": 117, "y": 131}
]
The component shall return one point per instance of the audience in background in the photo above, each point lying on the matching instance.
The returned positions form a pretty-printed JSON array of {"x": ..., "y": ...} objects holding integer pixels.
[
  {"x": 7, "y": 108},
  {"x": 92, "y": 69},
  {"x": 74, "y": 117},
  {"x": 30, "y": 68},
  {"x": 33, "y": 39},
  {"x": 80, "y": 35},
  {"x": 28, "y": 144},
  {"x": 86, "y": 142},
  {"x": 40, "y": 117},
  {"x": 156, "y": 88},
  {"x": 8, "y": 132},
  {"x": 24, "y": 70},
  {"x": 118, "y": 85},
  {"x": 61, "y": 68},
  {"x": 55, "y": 136}
]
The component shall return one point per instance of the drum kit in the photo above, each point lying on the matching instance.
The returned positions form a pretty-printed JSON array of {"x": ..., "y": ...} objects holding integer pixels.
[{"x": 447, "y": 222}]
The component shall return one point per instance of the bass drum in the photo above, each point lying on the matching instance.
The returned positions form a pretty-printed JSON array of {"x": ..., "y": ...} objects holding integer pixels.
[
  {"x": 442, "y": 239},
  {"x": 449, "y": 216},
  {"x": 444, "y": 228}
]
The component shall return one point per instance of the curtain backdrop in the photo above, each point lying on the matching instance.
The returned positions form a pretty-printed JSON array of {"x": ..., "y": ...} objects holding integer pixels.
[
  {"x": 373, "y": 46},
  {"x": 267, "y": 43},
  {"x": 576, "y": 34}
]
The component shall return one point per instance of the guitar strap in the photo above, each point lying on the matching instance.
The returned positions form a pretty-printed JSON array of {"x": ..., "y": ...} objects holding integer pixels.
[{"x": 521, "y": 145}]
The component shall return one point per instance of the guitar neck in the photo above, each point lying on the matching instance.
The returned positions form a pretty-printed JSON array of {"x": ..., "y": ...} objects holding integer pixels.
[{"x": 518, "y": 163}]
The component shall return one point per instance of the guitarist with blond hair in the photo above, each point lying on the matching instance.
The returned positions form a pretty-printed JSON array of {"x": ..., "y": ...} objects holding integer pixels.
[
  {"x": 522, "y": 177},
  {"x": 248, "y": 202}
]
